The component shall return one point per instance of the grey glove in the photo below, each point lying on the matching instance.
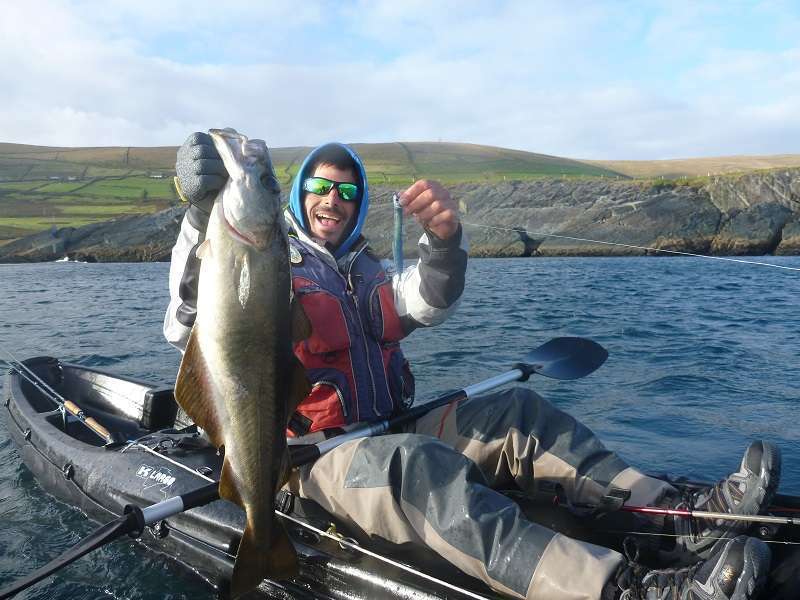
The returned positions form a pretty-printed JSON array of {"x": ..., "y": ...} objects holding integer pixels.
[{"x": 200, "y": 176}]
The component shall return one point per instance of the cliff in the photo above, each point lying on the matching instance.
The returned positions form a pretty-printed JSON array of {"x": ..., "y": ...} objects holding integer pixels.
[{"x": 755, "y": 213}]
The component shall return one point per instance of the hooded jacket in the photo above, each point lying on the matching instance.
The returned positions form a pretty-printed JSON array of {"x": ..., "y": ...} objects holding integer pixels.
[
  {"x": 296, "y": 195},
  {"x": 378, "y": 307}
]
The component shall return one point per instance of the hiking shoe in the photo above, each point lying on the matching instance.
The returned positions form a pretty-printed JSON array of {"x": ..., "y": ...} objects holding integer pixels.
[
  {"x": 736, "y": 571},
  {"x": 749, "y": 491}
]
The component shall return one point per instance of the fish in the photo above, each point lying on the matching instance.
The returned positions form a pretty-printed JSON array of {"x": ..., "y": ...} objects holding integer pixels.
[{"x": 239, "y": 379}]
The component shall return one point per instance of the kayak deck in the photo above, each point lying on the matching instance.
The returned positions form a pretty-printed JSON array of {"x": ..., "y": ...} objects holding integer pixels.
[{"x": 159, "y": 457}]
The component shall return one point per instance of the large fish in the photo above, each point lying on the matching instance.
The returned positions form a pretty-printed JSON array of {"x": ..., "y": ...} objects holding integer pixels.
[{"x": 239, "y": 379}]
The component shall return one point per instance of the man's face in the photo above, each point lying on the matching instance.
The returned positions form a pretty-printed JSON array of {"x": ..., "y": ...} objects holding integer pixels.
[{"x": 329, "y": 216}]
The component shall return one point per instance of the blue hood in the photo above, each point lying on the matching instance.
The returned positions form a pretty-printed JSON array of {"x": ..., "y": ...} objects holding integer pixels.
[{"x": 296, "y": 196}]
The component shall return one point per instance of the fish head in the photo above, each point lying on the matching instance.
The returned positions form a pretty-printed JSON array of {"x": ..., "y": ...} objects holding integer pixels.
[{"x": 250, "y": 203}]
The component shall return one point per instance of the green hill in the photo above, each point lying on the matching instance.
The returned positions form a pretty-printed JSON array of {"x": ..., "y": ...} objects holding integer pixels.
[{"x": 42, "y": 187}]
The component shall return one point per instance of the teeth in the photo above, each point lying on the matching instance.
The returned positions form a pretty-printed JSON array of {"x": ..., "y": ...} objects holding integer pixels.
[{"x": 324, "y": 216}]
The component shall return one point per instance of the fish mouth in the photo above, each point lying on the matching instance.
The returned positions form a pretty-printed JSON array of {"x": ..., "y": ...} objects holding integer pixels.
[{"x": 259, "y": 242}]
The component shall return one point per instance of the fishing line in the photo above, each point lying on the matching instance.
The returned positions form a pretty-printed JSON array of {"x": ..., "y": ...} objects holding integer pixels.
[{"x": 647, "y": 248}]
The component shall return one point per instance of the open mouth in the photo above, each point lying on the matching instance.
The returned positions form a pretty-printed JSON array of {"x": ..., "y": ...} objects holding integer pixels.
[{"x": 327, "y": 220}]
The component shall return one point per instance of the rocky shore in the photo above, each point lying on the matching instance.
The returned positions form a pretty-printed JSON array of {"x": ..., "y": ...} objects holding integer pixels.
[{"x": 750, "y": 214}]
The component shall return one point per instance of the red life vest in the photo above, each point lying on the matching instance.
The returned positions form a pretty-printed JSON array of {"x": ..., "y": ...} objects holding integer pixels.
[{"x": 353, "y": 358}]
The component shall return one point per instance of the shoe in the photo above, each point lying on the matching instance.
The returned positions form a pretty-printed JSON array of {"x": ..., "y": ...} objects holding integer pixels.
[
  {"x": 749, "y": 491},
  {"x": 736, "y": 571}
]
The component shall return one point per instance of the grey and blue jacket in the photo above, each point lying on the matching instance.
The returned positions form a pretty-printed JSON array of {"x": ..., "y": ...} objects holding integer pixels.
[{"x": 424, "y": 294}]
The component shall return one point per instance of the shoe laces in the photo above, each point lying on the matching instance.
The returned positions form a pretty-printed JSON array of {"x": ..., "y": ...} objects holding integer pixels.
[{"x": 635, "y": 581}]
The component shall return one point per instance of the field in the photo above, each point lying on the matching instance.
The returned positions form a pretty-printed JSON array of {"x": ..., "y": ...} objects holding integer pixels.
[
  {"x": 697, "y": 167},
  {"x": 41, "y": 186},
  {"x": 45, "y": 186}
]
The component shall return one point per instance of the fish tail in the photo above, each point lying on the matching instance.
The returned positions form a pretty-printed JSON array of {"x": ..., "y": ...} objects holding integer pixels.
[{"x": 254, "y": 562}]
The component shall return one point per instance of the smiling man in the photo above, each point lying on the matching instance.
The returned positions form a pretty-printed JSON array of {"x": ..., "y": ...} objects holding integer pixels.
[
  {"x": 359, "y": 308},
  {"x": 435, "y": 484},
  {"x": 330, "y": 203}
]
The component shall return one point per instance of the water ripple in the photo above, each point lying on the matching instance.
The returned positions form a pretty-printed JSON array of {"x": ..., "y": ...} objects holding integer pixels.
[{"x": 703, "y": 358}]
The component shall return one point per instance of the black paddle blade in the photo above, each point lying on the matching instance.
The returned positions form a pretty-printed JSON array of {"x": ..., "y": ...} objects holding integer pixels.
[
  {"x": 566, "y": 358},
  {"x": 101, "y": 536}
]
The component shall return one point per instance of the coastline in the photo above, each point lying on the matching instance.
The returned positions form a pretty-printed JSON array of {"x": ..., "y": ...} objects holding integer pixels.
[{"x": 754, "y": 214}]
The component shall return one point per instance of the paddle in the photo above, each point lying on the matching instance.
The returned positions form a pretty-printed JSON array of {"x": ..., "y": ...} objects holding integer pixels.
[
  {"x": 132, "y": 522},
  {"x": 562, "y": 358}
]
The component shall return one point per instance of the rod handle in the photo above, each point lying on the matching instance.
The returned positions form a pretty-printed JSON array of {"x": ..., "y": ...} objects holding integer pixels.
[
  {"x": 97, "y": 428},
  {"x": 90, "y": 422}
]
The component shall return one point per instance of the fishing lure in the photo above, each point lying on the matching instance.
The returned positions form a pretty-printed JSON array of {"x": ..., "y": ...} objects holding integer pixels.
[{"x": 397, "y": 247}]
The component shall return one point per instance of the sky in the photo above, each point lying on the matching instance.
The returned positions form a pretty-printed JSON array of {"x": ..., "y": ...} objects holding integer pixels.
[{"x": 594, "y": 79}]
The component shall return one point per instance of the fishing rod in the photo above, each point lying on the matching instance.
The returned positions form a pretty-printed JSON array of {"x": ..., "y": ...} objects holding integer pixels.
[
  {"x": 702, "y": 514},
  {"x": 563, "y": 358},
  {"x": 64, "y": 405},
  {"x": 692, "y": 514}
]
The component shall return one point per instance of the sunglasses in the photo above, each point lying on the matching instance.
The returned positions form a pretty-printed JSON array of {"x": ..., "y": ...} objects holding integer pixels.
[{"x": 322, "y": 186}]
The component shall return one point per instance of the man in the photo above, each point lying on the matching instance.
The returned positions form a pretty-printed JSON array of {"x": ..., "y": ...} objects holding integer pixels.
[{"x": 433, "y": 485}]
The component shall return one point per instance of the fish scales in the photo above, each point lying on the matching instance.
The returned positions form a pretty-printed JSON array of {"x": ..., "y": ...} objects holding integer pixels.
[{"x": 237, "y": 378}]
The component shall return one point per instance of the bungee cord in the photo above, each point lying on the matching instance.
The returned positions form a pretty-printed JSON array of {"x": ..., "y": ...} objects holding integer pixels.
[{"x": 633, "y": 246}]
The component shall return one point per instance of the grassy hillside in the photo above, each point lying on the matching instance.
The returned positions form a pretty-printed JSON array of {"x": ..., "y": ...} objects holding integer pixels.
[
  {"x": 696, "y": 167},
  {"x": 42, "y": 187}
]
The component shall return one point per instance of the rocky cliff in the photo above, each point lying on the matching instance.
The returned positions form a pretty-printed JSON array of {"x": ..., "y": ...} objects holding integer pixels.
[{"x": 756, "y": 213}]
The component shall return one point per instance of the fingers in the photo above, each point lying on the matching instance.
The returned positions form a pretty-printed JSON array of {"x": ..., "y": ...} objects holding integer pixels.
[
  {"x": 210, "y": 183},
  {"x": 433, "y": 207},
  {"x": 203, "y": 152},
  {"x": 423, "y": 194},
  {"x": 198, "y": 138},
  {"x": 210, "y": 166},
  {"x": 199, "y": 167}
]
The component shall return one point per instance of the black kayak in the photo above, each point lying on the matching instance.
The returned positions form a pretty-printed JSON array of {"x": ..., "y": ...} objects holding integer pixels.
[{"x": 152, "y": 453}]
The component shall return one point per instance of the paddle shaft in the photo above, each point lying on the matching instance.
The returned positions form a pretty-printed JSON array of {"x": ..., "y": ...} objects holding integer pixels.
[
  {"x": 306, "y": 453},
  {"x": 132, "y": 523}
]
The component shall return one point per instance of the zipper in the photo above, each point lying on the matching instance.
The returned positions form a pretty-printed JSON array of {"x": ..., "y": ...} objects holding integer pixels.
[
  {"x": 338, "y": 393},
  {"x": 354, "y": 297},
  {"x": 372, "y": 311}
]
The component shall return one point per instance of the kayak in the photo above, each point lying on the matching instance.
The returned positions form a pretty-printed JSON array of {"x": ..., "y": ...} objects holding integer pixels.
[{"x": 125, "y": 442}]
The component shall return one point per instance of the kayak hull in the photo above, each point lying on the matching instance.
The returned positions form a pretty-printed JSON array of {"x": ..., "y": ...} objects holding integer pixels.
[{"x": 157, "y": 457}]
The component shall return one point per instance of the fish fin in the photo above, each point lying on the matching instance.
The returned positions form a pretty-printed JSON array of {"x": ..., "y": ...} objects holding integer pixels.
[
  {"x": 254, "y": 562},
  {"x": 301, "y": 325},
  {"x": 227, "y": 485},
  {"x": 300, "y": 387},
  {"x": 193, "y": 390},
  {"x": 203, "y": 250}
]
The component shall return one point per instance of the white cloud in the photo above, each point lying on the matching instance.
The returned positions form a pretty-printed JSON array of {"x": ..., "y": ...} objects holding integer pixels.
[{"x": 594, "y": 80}]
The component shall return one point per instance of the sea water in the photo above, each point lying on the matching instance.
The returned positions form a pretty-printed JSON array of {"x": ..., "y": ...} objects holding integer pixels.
[{"x": 703, "y": 359}]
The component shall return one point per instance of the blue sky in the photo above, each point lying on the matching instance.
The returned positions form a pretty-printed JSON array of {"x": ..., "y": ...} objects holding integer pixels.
[{"x": 594, "y": 79}]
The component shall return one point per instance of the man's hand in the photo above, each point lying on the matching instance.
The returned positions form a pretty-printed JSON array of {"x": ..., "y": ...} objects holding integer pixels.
[
  {"x": 200, "y": 171},
  {"x": 433, "y": 207}
]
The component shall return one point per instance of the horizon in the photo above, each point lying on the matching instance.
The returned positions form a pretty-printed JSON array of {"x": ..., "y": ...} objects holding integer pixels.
[
  {"x": 297, "y": 146},
  {"x": 637, "y": 81}
]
